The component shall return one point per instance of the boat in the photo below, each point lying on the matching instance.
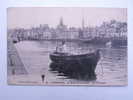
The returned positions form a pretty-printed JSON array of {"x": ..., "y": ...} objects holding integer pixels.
[
  {"x": 119, "y": 43},
  {"x": 15, "y": 40},
  {"x": 75, "y": 65}
]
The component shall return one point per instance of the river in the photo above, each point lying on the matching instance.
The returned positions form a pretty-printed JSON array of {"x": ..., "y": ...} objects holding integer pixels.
[{"x": 110, "y": 70}]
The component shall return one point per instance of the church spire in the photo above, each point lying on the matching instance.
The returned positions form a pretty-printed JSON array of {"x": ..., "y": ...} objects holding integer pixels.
[{"x": 61, "y": 21}]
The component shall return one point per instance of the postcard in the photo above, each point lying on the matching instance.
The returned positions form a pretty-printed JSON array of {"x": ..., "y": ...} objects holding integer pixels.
[{"x": 67, "y": 46}]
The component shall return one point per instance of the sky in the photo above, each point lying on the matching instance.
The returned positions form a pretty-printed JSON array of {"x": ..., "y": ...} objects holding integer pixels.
[{"x": 27, "y": 17}]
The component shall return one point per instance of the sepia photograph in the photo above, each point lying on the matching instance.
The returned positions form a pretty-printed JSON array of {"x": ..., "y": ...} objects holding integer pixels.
[{"x": 67, "y": 46}]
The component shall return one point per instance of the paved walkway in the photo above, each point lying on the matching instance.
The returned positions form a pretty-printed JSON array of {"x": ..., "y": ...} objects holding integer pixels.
[{"x": 15, "y": 65}]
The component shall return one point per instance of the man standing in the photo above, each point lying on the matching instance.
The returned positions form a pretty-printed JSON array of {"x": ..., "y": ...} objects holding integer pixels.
[
  {"x": 62, "y": 48},
  {"x": 43, "y": 77}
]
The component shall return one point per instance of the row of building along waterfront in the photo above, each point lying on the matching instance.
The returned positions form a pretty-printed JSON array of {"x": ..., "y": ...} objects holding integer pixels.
[{"x": 105, "y": 30}]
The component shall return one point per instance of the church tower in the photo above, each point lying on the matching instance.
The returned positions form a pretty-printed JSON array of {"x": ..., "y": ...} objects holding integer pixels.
[
  {"x": 61, "y": 21},
  {"x": 61, "y": 25}
]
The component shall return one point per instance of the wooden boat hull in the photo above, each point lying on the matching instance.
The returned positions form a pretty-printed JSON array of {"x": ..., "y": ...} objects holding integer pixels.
[{"x": 75, "y": 65}]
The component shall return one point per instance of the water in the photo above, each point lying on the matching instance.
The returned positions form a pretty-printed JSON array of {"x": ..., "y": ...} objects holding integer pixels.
[{"x": 111, "y": 69}]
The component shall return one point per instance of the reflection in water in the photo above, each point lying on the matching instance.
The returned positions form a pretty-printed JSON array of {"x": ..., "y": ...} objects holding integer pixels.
[
  {"x": 71, "y": 74},
  {"x": 111, "y": 69}
]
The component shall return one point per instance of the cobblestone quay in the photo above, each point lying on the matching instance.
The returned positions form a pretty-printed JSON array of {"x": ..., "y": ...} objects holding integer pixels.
[{"x": 15, "y": 65}]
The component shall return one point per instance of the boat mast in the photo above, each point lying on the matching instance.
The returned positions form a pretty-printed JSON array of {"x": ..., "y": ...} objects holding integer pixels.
[{"x": 83, "y": 24}]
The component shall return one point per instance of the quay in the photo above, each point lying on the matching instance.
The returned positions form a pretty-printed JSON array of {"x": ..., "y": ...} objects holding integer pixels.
[{"x": 14, "y": 64}]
